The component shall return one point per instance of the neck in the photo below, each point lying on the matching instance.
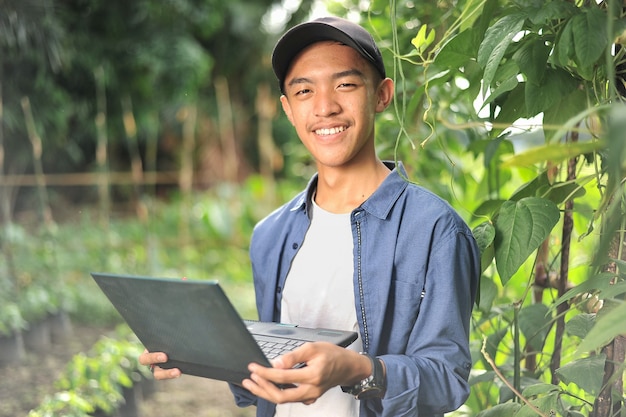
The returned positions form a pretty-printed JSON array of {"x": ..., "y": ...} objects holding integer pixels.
[{"x": 341, "y": 190}]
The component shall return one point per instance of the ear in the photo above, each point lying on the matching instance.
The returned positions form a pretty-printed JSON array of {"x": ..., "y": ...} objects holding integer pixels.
[
  {"x": 287, "y": 108},
  {"x": 385, "y": 94}
]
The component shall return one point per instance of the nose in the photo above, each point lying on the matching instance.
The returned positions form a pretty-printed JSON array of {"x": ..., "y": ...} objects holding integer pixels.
[{"x": 326, "y": 103}]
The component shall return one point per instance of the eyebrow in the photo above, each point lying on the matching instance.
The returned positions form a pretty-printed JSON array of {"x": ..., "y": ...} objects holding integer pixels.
[{"x": 347, "y": 73}]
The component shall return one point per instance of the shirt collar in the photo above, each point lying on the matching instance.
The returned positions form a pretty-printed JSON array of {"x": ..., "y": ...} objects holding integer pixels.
[{"x": 378, "y": 204}]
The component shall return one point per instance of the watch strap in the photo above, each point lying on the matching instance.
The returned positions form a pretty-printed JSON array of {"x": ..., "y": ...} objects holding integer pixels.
[{"x": 372, "y": 386}]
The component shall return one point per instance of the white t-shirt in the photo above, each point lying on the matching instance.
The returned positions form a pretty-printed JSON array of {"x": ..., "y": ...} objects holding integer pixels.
[{"x": 319, "y": 293}]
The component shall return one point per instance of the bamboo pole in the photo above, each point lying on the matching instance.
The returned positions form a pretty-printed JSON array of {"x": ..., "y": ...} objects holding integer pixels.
[
  {"x": 136, "y": 165},
  {"x": 188, "y": 115},
  {"x": 5, "y": 205},
  {"x": 101, "y": 147},
  {"x": 226, "y": 129},
  {"x": 73, "y": 179},
  {"x": 270, "y": 159},
  {"x": 152, "y": 150},
  {"x": 5, "y": 209},
  {"x": 45, "y": 213}
]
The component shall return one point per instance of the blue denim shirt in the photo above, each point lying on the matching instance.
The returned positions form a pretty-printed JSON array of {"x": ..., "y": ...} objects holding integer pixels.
[{"x": 416, "y": 270}]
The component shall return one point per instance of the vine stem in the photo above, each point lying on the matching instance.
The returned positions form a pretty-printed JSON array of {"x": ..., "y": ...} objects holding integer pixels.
[{"x": 492, "y": 363}]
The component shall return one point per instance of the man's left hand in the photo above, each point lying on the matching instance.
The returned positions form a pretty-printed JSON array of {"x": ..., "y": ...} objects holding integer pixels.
[{"x": 327, "y": 365}]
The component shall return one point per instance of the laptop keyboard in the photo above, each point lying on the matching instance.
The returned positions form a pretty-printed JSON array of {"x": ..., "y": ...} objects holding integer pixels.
[{"x": 273, "y": 347}]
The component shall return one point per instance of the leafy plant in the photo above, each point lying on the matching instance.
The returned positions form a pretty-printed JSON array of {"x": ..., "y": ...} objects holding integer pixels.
[
  {"x": 11, "y": 320},
  {"x": 95, "y": 381},
  {"x": 547, "y": 205}
]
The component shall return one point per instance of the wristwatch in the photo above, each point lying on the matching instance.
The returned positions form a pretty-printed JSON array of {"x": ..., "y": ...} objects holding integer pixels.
[{"x": 374, "y": 386}]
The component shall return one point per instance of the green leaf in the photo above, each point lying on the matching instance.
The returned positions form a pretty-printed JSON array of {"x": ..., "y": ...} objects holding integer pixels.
[
  {"x": 481, "y": 377},
  {"x": 607, "y": 327},
  {"x": 548, "y": 404},
  {"x": 553, "y": 86},
  {"x": 564, "y": 48},
  {"x": 580, "y": 324},
  {"x": 496, "y": 148},
  {"x": 586, "y": 373},
  {"x": 488, "y": 208},
  {"x": 555, "y": 152},
  {"x": 532, "y": 59},
  {"x": 539, "y": 389},
  {"x": 493, "y": 341},
  {"x": 513, "y": 108},
  {"x": 486, "y": 258},
  {"x": 497, "y": 39},
  {"x": 520, "y": 228},
  {"x": 503, "y": 87},
  {"x": 422, "y": 41},
  {"x": 596, "y": 283},
  {"x": 561, "y": 192},
  {"x": 553, "y": 10},
  {"x": 534, "y": 322},
  {"x": 484, "y": 234},
  {"x": 531, "y": 188},
  {"x": 501, "y": 410},
  {"x": 488, "y": 293},
  {"x": 568, "y": 106},
  {"x": 589, "y": 35},
  {"x": 457, "y": 51},
  {"x": 612, "y": 291}
]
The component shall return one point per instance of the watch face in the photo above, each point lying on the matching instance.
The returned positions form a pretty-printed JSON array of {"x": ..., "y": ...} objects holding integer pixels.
[{"x": 369, "y": 392}]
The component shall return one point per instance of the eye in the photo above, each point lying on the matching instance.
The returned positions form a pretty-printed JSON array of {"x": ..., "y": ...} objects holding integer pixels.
[{"x": 347, "y": 85}]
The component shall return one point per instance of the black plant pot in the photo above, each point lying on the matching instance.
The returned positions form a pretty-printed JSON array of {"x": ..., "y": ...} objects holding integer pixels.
[
  {"x": 11, "y": 349},
  {"x": 60, "y": 327},
  {"x": 37, "y": 337}
]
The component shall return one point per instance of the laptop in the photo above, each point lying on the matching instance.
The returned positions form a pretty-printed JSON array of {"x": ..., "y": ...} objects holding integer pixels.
[{"x": 196, "y": 325}]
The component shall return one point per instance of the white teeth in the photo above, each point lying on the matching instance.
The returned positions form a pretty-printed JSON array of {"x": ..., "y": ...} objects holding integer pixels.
[{"x": 331, "y": 131}]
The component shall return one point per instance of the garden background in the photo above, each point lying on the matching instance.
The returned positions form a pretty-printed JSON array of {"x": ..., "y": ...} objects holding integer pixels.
[{"x": 144, "y": 137}]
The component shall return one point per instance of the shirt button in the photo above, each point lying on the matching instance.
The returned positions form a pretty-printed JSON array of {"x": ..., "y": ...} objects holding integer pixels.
[{"x": 294, "y": 246}]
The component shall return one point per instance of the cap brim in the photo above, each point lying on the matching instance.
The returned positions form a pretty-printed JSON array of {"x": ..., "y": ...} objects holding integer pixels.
[{"x": 303, "y": 35}]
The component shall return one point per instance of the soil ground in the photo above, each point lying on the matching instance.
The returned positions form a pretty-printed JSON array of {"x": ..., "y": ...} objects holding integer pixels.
[
  {"x": 192, "y": 396},
  {"x": 23, "y": 386}
]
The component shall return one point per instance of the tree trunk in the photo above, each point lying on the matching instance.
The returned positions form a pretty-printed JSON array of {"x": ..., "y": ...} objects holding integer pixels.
[
  {"x": 561, "y": 309},
  {"x": 615, "y": 351},
  {"x": 101, "y": 147}
]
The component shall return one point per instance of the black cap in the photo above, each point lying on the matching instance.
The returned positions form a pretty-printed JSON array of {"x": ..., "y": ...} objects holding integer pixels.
[{"x": 323, "y": 29}]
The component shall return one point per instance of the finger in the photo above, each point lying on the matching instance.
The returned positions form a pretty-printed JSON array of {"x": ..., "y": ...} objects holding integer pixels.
[
  {"x": 149, "y": 358},
  {"x": 277, "y": 375},
  {"x": 160, "y": 373},
  {"x": 294, "y": 357},
  {"x": 266, "y": 389}
]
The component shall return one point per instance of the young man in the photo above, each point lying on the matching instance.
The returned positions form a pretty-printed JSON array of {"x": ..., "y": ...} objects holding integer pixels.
[{"x": 360, "y": 248}]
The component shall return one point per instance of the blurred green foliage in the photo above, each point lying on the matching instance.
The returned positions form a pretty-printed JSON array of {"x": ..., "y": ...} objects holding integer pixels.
[
  {"x": 471, "y": 76},
  {"x": 95, "y": 382}
]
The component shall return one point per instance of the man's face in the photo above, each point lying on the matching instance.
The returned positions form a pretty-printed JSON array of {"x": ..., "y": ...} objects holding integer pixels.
[{"x": 332, "y": 95}]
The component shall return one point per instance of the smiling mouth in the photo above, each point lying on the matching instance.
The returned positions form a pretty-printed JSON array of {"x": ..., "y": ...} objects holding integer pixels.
[{"x": 330, "y": 131}]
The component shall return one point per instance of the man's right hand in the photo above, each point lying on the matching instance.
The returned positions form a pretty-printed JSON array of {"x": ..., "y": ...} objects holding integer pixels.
[{"x": 153, "y": 359}]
